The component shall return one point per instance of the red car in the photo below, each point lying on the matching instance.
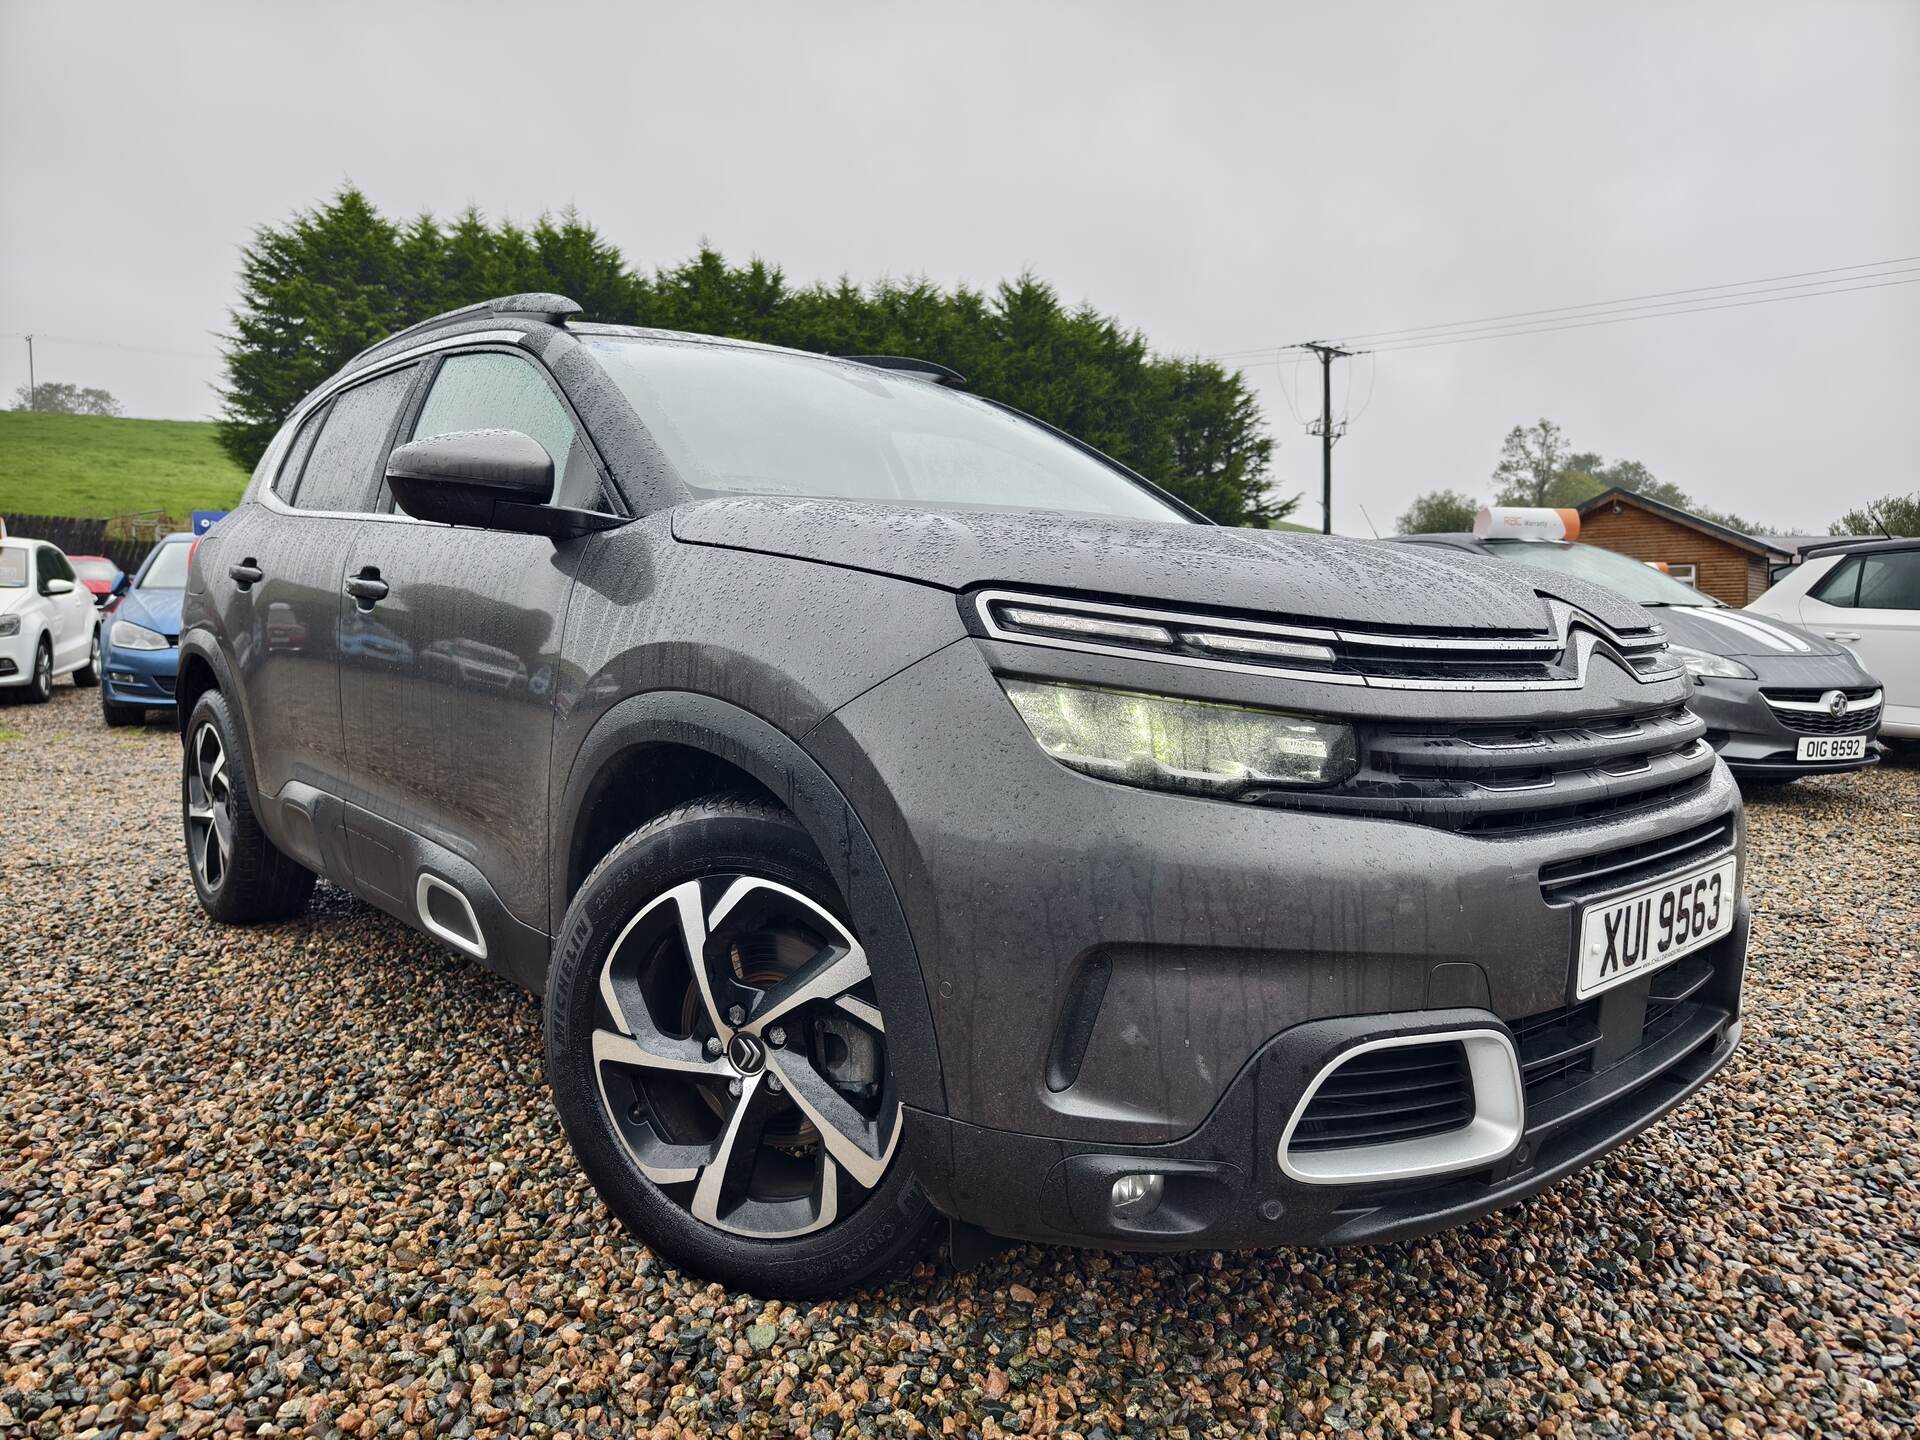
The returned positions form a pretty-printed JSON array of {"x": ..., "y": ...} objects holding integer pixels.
[{"x": 99, "y": 574}]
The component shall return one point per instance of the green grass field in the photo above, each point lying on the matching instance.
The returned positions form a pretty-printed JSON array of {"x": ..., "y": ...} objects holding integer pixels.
[{"x": 96, "y": 468}]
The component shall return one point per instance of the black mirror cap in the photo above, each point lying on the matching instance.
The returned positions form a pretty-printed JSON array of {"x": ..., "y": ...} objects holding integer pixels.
[
  {"x": 489, "y": 479},
  {"x": 494, "y": 464}
]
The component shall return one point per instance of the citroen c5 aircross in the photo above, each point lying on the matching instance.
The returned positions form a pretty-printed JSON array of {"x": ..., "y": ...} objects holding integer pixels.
[{"x": 917, "y": 822}]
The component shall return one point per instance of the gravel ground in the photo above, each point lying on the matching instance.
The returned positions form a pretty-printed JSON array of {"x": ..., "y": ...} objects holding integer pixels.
[{"x": 304, "y": 1179}]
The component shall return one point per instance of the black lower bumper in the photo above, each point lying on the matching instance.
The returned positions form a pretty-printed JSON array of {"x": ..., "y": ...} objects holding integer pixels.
[{"x": 1224, "y": 1186}]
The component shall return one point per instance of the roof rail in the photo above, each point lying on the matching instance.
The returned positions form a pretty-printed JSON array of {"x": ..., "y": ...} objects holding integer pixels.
[
  {"x": 1853, "y": 542},
  {"x": 530, "y": 305},
  {"x": 906, "y": 364}
]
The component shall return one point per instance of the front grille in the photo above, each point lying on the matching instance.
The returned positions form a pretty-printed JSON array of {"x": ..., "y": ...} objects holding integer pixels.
[
  {"x": 1499, "y": 780},
  {"x": 1821, "y": 721},
  {"x": 1627, "y": 865},
  {"x": 1553, "y": 657},
  {"x": 1401, "y": 1092},
  {"x": 1557, "y": 1047}
]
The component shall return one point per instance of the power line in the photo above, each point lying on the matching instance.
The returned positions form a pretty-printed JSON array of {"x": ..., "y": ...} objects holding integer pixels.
[
  {"x": 45, "y": 338},
  {"x": 1569, "y": 311},
  {"x": 1625, "y": 319}
]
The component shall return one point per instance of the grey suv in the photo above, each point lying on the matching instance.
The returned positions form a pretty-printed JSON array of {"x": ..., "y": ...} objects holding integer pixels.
[{"x": 916, "y": 821}]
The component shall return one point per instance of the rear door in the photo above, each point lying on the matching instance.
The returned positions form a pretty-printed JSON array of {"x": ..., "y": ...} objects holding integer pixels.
[
  {"x": 448, "y": 671},
  {"x": 1871, "y": 604},
  {"x": 285, "y": 562}
]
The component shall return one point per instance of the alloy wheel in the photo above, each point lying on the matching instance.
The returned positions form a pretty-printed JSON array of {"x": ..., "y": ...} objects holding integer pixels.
[
  {"x": 741, "y": 1057},
  {"x": 43, "y": 671},
  {"x": 209, "y": 807},
  {"x": 93, "y": 652}
]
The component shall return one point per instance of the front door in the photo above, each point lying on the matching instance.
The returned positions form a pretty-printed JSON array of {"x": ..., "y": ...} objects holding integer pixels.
[
  {"x": 450, "y": 647},
  {"x": 73, "y": 616}
]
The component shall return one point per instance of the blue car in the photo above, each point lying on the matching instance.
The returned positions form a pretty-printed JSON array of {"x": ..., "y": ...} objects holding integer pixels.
[{"x": 140, "y": 645}]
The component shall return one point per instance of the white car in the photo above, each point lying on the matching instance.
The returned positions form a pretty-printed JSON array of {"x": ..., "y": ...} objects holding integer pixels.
[
  {"x": 1866, "y": 595},
  {"x": 48, "y": 625}
]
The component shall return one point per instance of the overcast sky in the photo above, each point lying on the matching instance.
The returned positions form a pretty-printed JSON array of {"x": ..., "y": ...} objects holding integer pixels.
[{"x": 1222, "y": 177}]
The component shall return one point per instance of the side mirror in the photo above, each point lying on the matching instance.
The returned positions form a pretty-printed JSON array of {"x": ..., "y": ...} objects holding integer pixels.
[
  {"x": 59, "y": 587},
  {"x": 489, "y": 479},
  {"x": 122, "y": 585}
]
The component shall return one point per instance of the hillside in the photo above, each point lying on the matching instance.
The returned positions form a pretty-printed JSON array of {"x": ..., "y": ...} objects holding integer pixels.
[{"x": 96, "y": 468}]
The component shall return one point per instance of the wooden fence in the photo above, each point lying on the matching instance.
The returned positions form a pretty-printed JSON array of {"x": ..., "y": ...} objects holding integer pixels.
[{"x": 79, "y": 537}]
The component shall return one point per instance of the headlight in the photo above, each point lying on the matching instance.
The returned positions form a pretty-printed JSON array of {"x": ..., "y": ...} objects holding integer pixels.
[
  {"x": 125, "y": 635},
  {"x": 9, "y": 624},
  {"x": 1703, "y": 666},
  {"x": 1188, "y": 745}
]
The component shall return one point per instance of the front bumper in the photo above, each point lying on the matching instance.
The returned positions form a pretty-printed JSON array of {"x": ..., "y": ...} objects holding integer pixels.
[
  {"x": 1124, "y": 980},
  {"x": 1753, "y": 739},
  {"x": 16, "y": 657},
  {"x": 140, "y": 677},
  {"x": 1225, "y": 1186}
]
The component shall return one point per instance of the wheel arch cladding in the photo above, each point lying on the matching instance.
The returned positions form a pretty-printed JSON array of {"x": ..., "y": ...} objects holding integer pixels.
[{"x": 738, "y": 743}]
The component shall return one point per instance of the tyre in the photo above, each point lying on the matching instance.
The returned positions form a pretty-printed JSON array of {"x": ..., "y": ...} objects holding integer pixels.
[
  {"x": 40, "y": 683},
  {"x": 237, "y": 873},
  {"x": 88, "y": 675},
  {"x": 718, "y": 1058}
]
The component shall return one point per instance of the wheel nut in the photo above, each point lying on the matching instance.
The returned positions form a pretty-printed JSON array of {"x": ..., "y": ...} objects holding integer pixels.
[
  {"x": 713, "y": 1046},
  {"x": 737, "y": 1015},
  {"x": 733, "y": 1086},
  {"x": 774, "y": 1084},
  {"x": 777, "y": 1035}
]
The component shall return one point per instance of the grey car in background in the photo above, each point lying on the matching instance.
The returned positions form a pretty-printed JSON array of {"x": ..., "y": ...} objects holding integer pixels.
[
  {"x": 1779, "y": 701},
  {"x": 918, "y": 822}
]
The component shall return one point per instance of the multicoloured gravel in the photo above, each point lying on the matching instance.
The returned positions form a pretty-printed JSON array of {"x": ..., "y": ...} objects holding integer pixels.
[{"x": 304, "y": 1180}]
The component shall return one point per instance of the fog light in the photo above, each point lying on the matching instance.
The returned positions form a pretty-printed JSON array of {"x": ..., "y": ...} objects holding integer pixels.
[{"x": 1135, "y": 1196}]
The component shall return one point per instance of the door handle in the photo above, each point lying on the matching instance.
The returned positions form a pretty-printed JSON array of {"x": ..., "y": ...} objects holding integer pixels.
[
  {"x": 366, "y": 588},
  {"x": 1842, "y": 635},
  {"x": 246, "y": 574}
]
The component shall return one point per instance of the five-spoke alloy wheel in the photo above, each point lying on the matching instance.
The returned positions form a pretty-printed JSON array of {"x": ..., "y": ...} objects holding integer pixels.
[{"x": 719, "y": 1056}]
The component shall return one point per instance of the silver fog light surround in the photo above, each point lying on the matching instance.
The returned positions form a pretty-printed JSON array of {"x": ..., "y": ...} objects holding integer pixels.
[{"x": 1166, "y": 743}]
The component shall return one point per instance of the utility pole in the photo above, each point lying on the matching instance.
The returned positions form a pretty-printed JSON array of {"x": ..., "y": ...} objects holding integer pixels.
[
  {"x": 33, "y": 390},
  {"x": 1326, "y": 429}
]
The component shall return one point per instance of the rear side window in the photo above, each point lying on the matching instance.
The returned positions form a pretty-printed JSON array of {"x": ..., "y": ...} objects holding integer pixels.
[
  {"x": 1841, "y": 586},
  {"x": 495, "y": 391},
  {"x": 1890, "y": 581},
  {"x": 344, "y": 467},
  {"x": 289, "y": 477}
]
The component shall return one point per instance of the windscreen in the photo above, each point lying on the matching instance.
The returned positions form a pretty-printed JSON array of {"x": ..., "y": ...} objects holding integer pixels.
[
  {"x": 1639, "y": 582},
  {"x": 93, "y": 569},
  {"x": 13, "y": 569},
  {"x": 756, "y": 422},
  {"x": 168, "y": 568}
]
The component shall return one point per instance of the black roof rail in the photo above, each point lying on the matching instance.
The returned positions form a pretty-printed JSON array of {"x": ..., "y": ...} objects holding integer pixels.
[
  {"x": 907, "y": 365},
  {"x": 531, "y": 305},
  {"x": 1856, "y": 542}
]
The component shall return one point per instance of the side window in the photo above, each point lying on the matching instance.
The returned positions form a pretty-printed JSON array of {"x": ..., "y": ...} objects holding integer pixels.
[
  {"x": 52, "y": 567},
  {"x": 1839, "y": 587},
  {"x": 1890, "y": 580},
  {"x": 345, "y": 464},
  {"x": 289, "y": 476},
  {"x": 494, "y": 391}
]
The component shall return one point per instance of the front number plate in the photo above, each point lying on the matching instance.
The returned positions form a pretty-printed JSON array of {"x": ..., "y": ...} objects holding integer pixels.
[
  {"x": 1634, "y": 935},
  {"x": 1831, "y": 747}
]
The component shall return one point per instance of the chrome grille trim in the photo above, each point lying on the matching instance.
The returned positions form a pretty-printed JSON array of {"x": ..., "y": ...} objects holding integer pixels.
[{"x": 1556, "y": 659}]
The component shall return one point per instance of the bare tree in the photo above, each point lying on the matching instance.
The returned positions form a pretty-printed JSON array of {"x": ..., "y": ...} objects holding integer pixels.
[{"x": 1531, "y": 457}]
